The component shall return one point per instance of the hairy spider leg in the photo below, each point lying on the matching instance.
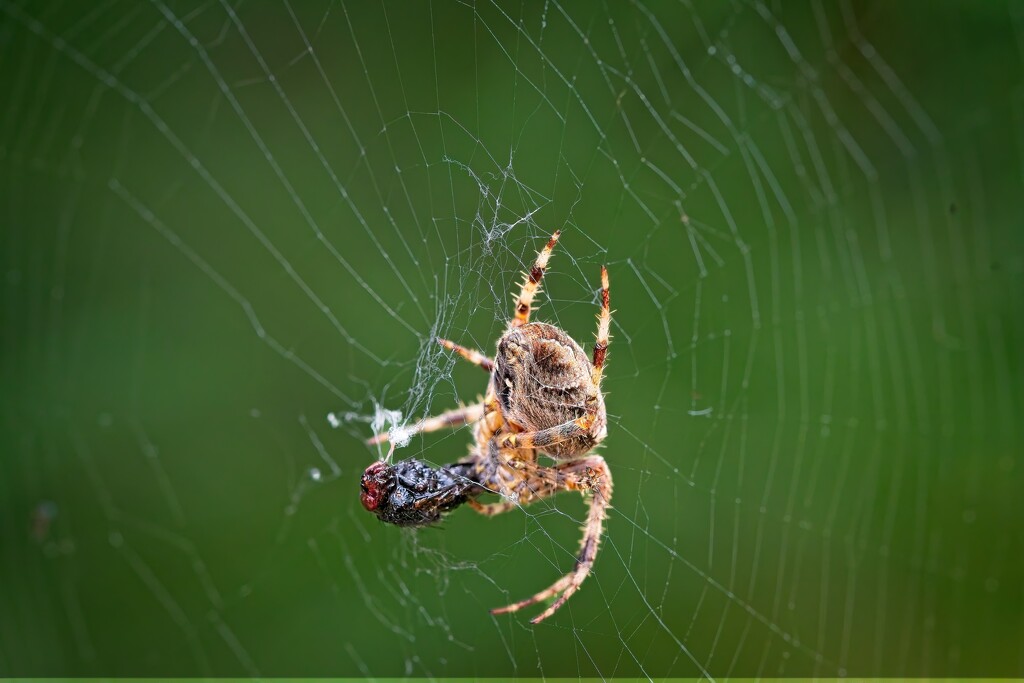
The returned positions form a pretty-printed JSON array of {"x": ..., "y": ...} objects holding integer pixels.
[
  {"x": 531, "y": 283},
  {"x": 472, "y": 355},
  {"x": 448, "y": 419},
  {"x": 604, "y": 319},
  {"x": 492, "y": 509},
  {"x": 587, "y": 475},
  {"x": 551, "y": 435}
]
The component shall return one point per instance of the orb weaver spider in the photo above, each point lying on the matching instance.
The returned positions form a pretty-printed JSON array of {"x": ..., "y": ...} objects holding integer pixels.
[{"x": 543, "y": 398}]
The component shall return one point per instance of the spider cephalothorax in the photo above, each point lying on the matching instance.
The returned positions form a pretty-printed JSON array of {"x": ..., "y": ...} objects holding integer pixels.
[{"x": 543, "y": 398}]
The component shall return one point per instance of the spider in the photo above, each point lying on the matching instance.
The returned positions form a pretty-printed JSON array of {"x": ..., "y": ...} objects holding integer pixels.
[{"x": 543, "y": 398}]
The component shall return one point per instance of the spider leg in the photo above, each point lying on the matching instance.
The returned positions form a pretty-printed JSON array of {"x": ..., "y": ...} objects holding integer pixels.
[
  {"x": 472, "y": 355},
  {"x": 448, "y": 419},
  {"x": 531, "y": 283},
  {"x": 491, "y": 509},
  {"x": 588, "y": 475},
  {"x": 546, "y": 437},
  {"x": 604, "y": 322}
]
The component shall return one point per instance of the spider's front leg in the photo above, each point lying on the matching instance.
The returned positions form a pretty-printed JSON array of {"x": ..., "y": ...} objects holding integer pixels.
[
  {"x": 448, "y": 419},
  {"x": 587, "y": 475}
]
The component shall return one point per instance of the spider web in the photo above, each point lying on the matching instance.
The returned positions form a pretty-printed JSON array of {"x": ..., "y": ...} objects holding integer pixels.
[{"x": 233, "y": 231}]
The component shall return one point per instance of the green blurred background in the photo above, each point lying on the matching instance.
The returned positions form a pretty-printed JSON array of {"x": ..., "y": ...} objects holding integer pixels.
[{"x": 225, "y": 222}]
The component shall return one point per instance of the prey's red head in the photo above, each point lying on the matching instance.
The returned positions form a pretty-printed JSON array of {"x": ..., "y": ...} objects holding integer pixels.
[{"x": 376, "y": 485}]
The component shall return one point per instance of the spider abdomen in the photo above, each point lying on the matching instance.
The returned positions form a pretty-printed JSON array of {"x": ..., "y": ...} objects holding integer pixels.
[{"x": 542, "y": 379}]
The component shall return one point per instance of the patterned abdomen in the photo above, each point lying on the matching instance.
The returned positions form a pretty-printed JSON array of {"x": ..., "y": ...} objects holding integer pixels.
[{"x": 542, "y": 379}]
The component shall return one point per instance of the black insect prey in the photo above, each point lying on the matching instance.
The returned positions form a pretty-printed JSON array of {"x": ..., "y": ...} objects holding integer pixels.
[{"x": 411, "y": 493}]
